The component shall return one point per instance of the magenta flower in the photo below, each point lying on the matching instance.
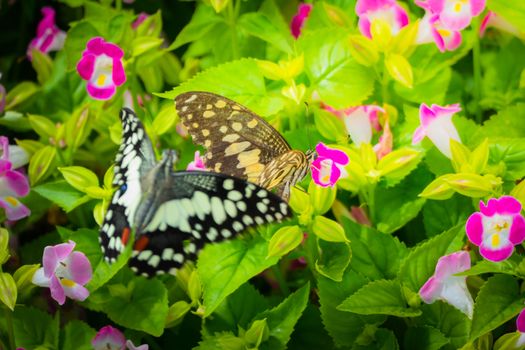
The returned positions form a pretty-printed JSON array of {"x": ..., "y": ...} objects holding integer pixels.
[
  {"x": 101, "y": 65},
  {"x": 388, "y": 11},
  {"x": 13, "y": 184},
  {"x": 48, "y": 36},
  {"x": 359, "y": 121},
  {"x": 454, "y": 14},
  {"x": 298, "y": 20},
  {"x": 497, "y": 228},
  {"x": 436, "y": 124},
  {"x": 65, "y": 272},
  {"x": 445, "y": 286},
  {"x": 109, "y": 338},
  {"x": 328, "y": 167},
  {"x": 492, "y": 19},
  {"x": 431, "y": 29},
  {"x": 197, "y": 163}
]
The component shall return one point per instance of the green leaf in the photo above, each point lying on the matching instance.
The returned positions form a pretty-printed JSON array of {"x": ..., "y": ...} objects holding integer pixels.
[
  {"x": 498, "y": 301},
  {"x": 259, "y": 25},
  {"x": 384, "y": 339},
  {"x": 400, "y": 204},
  {"x": 329, "y": 126},
  {"x": 420, "y": 264},
  {"x": 20, "y": 93},
  {"x": 43, "y": 126},
  {"x": 309, "y": 332},
  {"x": 329, "y": 63},
  {"x": 485, "y": 266},
  {"x": 15, "y": 121},
  {"x": 77, "y": 335},
  {"x": 321, "y": 198},
  {"x": 146, "y": 309},
  {"x": 506, "y": 124},
  {"x": 41, "y": 164},
  {"x": 23, "y": 277},
  {"x": 4, "y": 248},
  {"x": 511, "y": 152},
  {"x": 283, "y": 241},
  {"x": 248, "y": 88},
  {"x": 221, "y": 341},
  {"x": 343, "y": 327},
  {"x": 34, "y": 328},
  {"x": 145, "y": 43},
  {"x": 508, "y": 342},
  {"x": 425, "y": 338},
  {"x": 42, "y": 64},
  {"x": 61, "y": 193},
  {"x": 328, "y": 229},
  {"x": 400, "y": 69},
  {"x": 514, "y": 12},
  {"x": 282, "y": 318},
  {"x": 451, "y": 322},
  {"x": 257, "y": 333},
  {"x": 176, "y": 313},
  {"x": 334, "y": 258},
  {"x": 438, "y": 216},
  {"x": 224, "y": 267},
  {"x": 76, "y": 40},
  {"x": 237, "y": 310},
  {"x": 379, "y": 297},
  {"x": 8, "y": 290},
  {"x": 203, "y": 21},
  {"x": 165, "y": 119},
  {"x": 103, "y": 272},
  {"x": 79, "y": 177},
  {"x": 375, "y": 255},
  {"x": 396, "y": 165}
]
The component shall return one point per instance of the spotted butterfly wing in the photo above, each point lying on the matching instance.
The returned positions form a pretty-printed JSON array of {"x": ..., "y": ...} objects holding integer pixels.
[
  {"x": 239, "y": 142},
  {"x": 174, "y": 214}
]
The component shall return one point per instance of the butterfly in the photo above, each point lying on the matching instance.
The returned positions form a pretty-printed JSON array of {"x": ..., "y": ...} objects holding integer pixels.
[
  {"x": 240, "y": 143},
  {"x": 174, "y": 214}
]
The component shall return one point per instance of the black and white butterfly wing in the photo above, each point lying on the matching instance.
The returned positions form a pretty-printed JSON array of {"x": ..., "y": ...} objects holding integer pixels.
[
  {"x": 238, "y": 142},
  {"x": 203, "y": 207},
  {"x": 135, "y": 158}
]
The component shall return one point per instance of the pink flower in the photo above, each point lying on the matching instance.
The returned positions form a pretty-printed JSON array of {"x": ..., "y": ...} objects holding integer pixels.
[
  {"x": 327, "y": 168},
  {"x": 101, "y": 65},
  {"x": 497, "y": 228},
  {"x": 109, "y": 338},
  {"x": 359, "y": 121},
  {"x": 197, "y": 163},
  {"x": 65, "y": 272},
  {"x": 141, "y": 18},
  {"x": 445, "y": 286},
  {"x": 298, "y": 20},
  {"x": 388, "y": 11},
  {"x": 48, "y": 36},
  {"x": 436, "y": 124},
  {"x": 492, "y": 19},
  {"x": 454, "y": 14},
  {"x": 386, "y": 142},
  {"x": 13, "y": 184},
  {"x": 431, "y": 29}
]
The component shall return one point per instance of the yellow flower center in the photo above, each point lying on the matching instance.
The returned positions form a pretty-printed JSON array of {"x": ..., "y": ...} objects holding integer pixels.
[
  {"x": 457, "y": 7},
  {"x": 444, "y": 32},
  {"x": 12, "y": 201},
  {"x": 101, "y": 79},
  {"x": 67, "y": 283},
  {"x": 495, "y": 240}
]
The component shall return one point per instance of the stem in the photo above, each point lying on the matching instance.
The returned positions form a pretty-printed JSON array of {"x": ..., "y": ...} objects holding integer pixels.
[
  {"x": 280, "y": 279},
  {"x": 384, "y": 86},
  {"x": 371, "y": 200},
  {"x": 10, "y": 330},
  {"x": 118, "y": 5},
  {"x": 476, "y": 57},
  {"x": 232, "y": 16}
]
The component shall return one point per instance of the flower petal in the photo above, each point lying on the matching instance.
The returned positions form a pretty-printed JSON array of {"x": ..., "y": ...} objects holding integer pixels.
[
  {"x": 14, "y": 210},
  {"x": 496, "y": 255},
  {"x": 336, "y": 155},
  {"x": 477, "y": 6},
  {"x": 520, "y": 322},
  {"x": 53, "y": 255},
  {"x": 16, "y": 182},
  {"x": 86, "y": 66},
  {"x": 101, "y": 93},
  {"x": 456, "y": 15},
  {"x": 131, "y": 346},
  {"x": 451, "y": 264},
  {"x": 40, "y": 279},
  {"x": 431, "y": 290},
  {"x": 517, "y": 230},
  {"x": 57, "y": 291},
  {"x": 508, "y": 205},
  {"x": 108, "y": 338},
  {"x": 74, "y": 290},
  {"x": 79, "y": 268},
  {"x": 474, "y": 228},
  {"x": 118, "y": 74},
  {"x": 456, "y": 294}
]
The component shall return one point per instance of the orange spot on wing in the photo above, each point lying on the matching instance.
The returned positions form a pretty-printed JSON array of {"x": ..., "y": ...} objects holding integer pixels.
[
  {"x": 125, "y": 235},
  {"x": 141, "y": 243}
]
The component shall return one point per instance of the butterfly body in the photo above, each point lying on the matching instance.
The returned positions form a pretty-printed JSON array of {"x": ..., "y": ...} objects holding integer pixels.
[
  {"x": 240, "y": 143},
  {"x": 174, "y": 214}
]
